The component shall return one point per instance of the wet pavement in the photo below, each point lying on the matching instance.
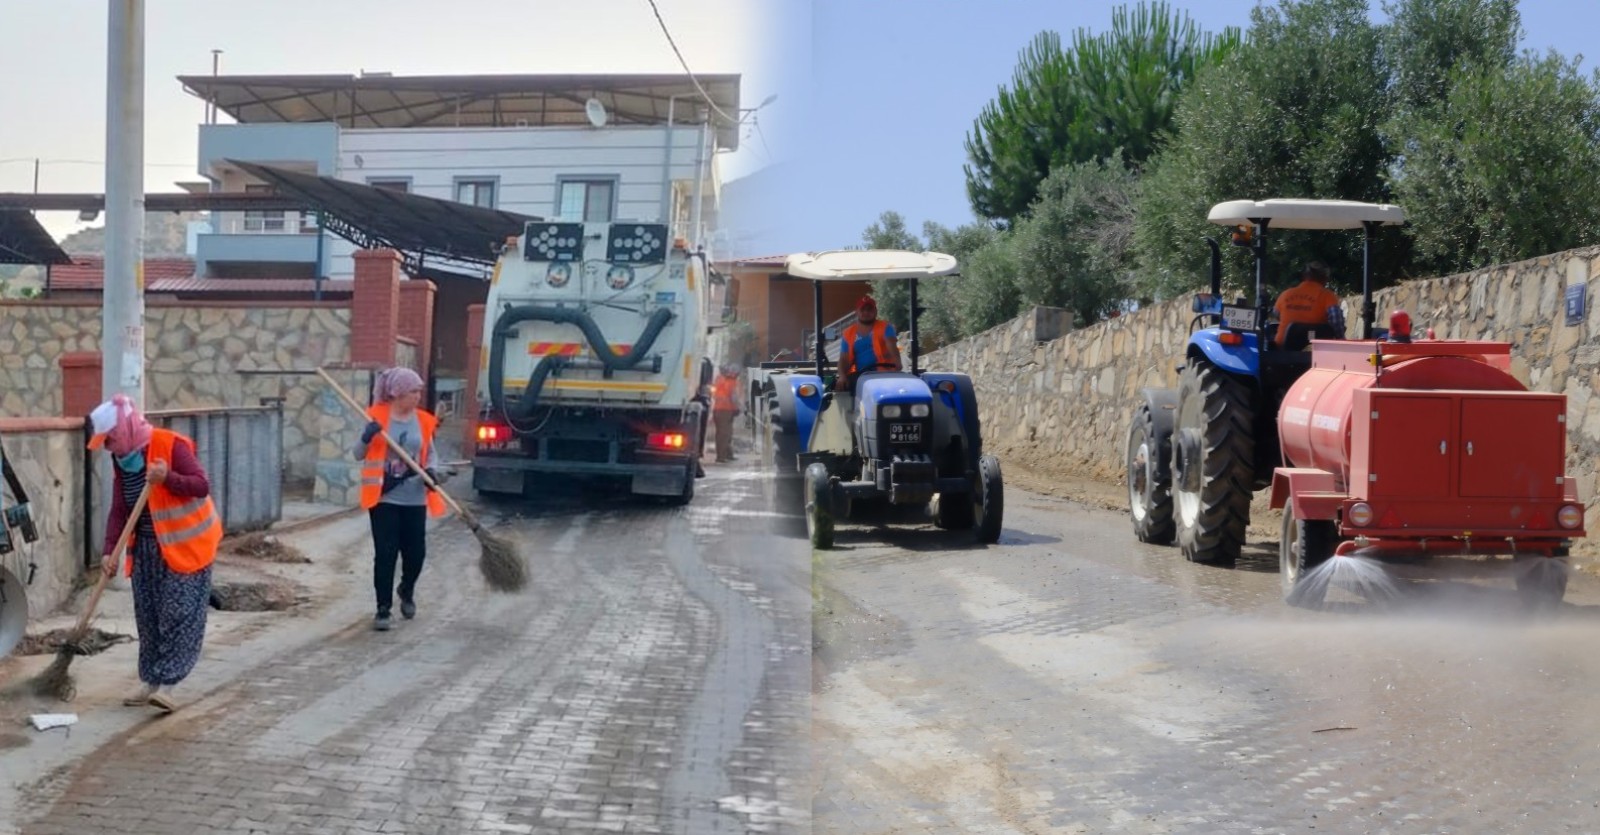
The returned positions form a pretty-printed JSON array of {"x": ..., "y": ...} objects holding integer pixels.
[
  {"x": 654, "y": 678},
  {"x": 1071, "y": 680}
]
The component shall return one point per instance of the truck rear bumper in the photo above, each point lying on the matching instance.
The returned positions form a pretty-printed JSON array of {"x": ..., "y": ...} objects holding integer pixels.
[{"x": 508, "y": 474}]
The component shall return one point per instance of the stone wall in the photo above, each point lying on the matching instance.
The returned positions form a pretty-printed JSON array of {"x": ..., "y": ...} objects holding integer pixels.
[
  {"x": 47, "y": 455},
  {"x": 197, "y": 355},
  {"x": 1065, "y": 402}
]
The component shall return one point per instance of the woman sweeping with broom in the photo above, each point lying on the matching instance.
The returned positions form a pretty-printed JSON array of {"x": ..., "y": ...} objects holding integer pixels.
[
  {"x": 398, "y": 502},
  {"x": 174, "y": 543}
]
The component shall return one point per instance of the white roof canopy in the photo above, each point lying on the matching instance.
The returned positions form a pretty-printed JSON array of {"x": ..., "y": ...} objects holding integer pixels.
[
  {"x": 1306, "y": 214},
  {"x": 868, "y": 264}
]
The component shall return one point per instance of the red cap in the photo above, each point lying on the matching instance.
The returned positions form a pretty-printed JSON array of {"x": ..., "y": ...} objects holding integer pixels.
[
  {"x": 1399, "y": 323},
  {"x": 866, "y": 303}
]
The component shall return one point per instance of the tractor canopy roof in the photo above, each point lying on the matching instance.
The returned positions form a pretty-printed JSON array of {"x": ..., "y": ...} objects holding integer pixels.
[
  {"x": 1306, "y": 214},
  {"x": 868, "y": 264}
]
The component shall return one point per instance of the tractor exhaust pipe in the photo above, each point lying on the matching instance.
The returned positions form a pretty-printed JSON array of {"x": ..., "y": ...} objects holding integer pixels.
[{"x": 1216, "y": 268}]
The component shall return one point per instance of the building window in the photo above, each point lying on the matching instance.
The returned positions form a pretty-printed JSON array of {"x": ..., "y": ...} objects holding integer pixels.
[
  {"x": 401, "y": 185},
  {"x": 262, "y": 221},
  {"x": 586, "y": 201},
  {"x": 475, "y": 192}
]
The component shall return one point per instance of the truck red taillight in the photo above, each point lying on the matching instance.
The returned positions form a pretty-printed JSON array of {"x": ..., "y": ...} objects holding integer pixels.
[
  {"x": 667, "y": 440},
  {"x": 493, "y": 433}
]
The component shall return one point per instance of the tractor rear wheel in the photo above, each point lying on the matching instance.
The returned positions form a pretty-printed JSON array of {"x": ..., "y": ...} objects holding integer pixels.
[
  {"x": 1302, "y": 546},
  {"x": 1213, "y": 463},
  {"x": 990, "y": 497},
  {"x": 1149, "y": 489},
  {"x": 819, "y": 506},
  {"x": 783, "y": 446}
]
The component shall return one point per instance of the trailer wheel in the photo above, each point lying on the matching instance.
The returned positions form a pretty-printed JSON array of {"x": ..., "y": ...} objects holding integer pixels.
[
  {"x": 1149, "y": 490},
  {"x": 1302, "y": 546},
  {"x": 819, "y": 510},
  {"x": 1541, "y": 581},
  {"x": 1213, "y": 463},
  {"x": 991, "y": 499}
]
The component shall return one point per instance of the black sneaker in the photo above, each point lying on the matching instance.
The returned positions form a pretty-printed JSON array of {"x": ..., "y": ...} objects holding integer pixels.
[
  {"x": 380, "y": 622},
  {"x": 408, "y": 610}
]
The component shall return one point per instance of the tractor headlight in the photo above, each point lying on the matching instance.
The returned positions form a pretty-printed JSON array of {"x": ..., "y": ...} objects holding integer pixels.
[
  {"x": 806, "y": 390},
  {"x": 1569, "y": 517},
  {"x": 891, "y": 411},
  {"x": 1361, "y": 514},
  {"x": 919, "y": 410}
]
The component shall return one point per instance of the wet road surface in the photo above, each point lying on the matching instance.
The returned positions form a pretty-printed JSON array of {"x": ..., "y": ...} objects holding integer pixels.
[
  {"x": 1071, "y": 680},
  {"x": 654, "y": 678}
]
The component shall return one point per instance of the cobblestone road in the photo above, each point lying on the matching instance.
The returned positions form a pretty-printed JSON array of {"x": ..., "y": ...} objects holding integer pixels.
[
  {"x": 654, "y": 679},
  {"x": 1072, "y": 680}
]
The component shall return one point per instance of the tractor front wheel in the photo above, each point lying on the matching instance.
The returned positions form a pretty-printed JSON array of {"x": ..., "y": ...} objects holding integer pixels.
[
  {"x": 1149, "y": 489},
  {"x": 1213, "y": 463},
  {"x": 819, "y": 506}
]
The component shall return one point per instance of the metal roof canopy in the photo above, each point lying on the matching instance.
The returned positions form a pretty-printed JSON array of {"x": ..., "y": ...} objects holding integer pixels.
[
  {"x": 868, "y": 264},
  {"x": 449, "y": 101},
  {"x": 24, "y": 241},
  {"x": 1306, "y": 214},
  {"x": 419, "y": 227}
]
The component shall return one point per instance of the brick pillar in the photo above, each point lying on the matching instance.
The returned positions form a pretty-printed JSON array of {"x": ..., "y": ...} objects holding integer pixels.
[
  {"x": 375, "y": 308},
  {"x": 80, "y": 383},
  {"x": 416, "y": 319},
  {"x": 475, "y": 360}
]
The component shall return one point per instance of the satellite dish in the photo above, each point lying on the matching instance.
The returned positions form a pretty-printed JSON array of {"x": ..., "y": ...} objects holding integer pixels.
[{"x": 596, "y": 112}]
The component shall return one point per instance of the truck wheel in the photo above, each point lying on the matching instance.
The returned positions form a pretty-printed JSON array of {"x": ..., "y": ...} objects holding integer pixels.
[
  {"x": 688, "y": 489},
  {"x": 819, "y": 510},
  {"x": 1302, "y": 546},
  {"x": 991, "y": 499},
  {"x": 1213, "y": 463},
  {"x": 1541, "y": 582},
  {"x": 1149, "y": 490}
]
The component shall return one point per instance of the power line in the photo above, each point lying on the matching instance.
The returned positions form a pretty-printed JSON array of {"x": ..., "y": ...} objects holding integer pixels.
[{"x": 674, "y": 45}]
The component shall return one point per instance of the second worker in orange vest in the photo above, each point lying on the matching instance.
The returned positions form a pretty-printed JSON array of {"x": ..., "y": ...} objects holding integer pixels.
[
  {"x": 867, "y": 345},
  {"x": 173, "y": 544},
  {"x": 398, "y": 502},
  {"x": 724, "y": 406}
]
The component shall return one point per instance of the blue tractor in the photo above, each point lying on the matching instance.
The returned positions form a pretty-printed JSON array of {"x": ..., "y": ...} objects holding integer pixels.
[
  {"x": 898, "y": 439},
  {"x": 1195, "y": 454}
]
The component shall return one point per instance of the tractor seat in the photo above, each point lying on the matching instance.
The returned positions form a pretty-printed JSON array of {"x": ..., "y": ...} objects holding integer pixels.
[{"x": 1299, "y": 335}]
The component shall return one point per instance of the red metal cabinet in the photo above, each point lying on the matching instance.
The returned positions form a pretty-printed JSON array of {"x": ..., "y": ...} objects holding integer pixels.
[
  {"x": 1409, "y": 448},
  {"x": 1513, "y": 446}
]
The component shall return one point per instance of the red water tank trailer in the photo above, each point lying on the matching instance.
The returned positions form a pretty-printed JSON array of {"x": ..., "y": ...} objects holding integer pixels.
[{"x": 1405, "y": 442}]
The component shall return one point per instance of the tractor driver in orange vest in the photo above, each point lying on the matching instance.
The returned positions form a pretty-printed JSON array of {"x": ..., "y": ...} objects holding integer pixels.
[
  {"x": 867, "y": 345},
  {"x": 1306, "y": 303}
]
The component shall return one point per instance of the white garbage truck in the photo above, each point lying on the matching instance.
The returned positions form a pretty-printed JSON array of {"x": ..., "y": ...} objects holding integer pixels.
[{"x": 594, "y": 361}]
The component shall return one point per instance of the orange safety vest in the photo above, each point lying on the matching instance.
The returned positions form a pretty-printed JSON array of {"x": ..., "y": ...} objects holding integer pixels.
[
  {"x": 188, "y": 530},
  {"x": 880, "y": 346},
  {"x": 722, "y": 394},
  {"x": 378, "y": 452},
  {"x": 1305, "y": 303}
]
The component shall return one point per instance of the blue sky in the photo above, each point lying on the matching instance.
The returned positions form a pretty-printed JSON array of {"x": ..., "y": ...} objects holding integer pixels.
[{"x": 895, "y": 86}]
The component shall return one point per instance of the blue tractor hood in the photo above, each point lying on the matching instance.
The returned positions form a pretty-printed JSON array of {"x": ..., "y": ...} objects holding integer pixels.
[{"x": 883, "y": 389}]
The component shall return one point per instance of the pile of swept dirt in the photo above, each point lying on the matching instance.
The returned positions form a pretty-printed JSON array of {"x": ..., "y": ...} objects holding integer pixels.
[
  {"x": 94, "y": 642},
  {"x": 267, "y": 548}
]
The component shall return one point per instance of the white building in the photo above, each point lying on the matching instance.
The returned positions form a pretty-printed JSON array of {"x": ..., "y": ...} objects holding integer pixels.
[
  {"x": 519, "y": 143},
  {"x": 591, "y": 148}
]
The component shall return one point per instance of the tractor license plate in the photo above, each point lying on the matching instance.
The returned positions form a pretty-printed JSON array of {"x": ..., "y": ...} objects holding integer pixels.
[
  {"x": 905, "y": 433},
  {"x": 1239, "y": 318}
]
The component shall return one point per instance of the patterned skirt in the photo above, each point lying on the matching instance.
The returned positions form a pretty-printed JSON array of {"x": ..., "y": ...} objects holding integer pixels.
[{"x": 170, "y": 610}]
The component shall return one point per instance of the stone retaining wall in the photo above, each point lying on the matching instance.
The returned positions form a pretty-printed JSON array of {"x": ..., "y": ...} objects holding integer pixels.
[{"x": 1064, "y": 403}]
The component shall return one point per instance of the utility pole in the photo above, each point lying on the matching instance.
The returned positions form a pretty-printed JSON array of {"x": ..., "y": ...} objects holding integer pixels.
[
  {"x": 122, "y": 314},
  {"x": 211, "y": 103},
  {"x": 35, "y": 175}
]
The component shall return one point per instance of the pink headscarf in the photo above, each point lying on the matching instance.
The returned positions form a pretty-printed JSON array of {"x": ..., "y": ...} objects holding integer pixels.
[
  {"x": 120, "y": 426},
  {"x": 396, "y": 382}
]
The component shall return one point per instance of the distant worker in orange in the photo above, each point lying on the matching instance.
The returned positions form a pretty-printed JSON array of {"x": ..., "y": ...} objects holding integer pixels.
[
  {"x": 724, "y": 406},
  {"x": 867, "y": 345},
  {"x": 1306, "y": 303}
]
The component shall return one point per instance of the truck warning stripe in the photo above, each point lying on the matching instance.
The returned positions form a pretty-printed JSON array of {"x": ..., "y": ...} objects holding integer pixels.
[{"x": 567, "y": 349}]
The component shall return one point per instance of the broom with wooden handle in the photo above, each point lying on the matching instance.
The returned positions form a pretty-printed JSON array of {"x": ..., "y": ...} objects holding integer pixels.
[
  {"x": 499, "y": 562},
  {"x": 56, "y": 680}
]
